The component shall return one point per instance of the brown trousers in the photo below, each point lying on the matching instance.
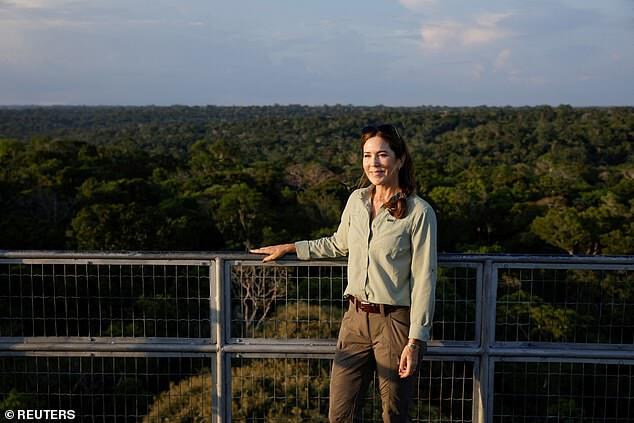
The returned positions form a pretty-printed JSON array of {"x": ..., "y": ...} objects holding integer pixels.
[{"x": 367, "y": 342}]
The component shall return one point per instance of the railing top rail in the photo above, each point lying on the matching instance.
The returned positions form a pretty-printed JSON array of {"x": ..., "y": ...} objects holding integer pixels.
[{"x": 228, "y": 255}]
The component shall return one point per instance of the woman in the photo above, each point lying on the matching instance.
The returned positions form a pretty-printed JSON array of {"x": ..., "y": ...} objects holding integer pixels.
[{"x": 389, "y": 236}]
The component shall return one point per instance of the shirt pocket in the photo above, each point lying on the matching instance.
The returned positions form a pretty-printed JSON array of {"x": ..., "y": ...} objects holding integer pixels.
[{"x": 393, "y": 247}]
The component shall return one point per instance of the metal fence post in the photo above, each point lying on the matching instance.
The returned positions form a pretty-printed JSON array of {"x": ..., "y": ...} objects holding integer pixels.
[
  {"x": 221, "y": 392},
  {"x": 483, "y": 379}
]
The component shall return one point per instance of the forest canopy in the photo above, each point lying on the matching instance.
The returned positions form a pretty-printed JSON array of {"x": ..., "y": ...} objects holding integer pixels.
[{"x": 516, "y": 180}]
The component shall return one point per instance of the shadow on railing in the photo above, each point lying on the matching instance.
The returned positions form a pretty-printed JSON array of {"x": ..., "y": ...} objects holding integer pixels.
[{"x": 219, "y": 336}]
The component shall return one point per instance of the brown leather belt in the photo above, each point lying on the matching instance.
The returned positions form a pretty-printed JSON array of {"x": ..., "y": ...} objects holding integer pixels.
[{"x": 373, "y": 308}]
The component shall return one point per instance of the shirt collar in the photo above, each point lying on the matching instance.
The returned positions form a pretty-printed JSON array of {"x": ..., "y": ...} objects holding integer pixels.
[
  {"x": 364, "y": 196},
  {"x": 364, "y": 193}
]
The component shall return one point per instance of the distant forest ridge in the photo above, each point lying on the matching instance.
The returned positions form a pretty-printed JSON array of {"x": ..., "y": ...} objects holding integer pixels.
[{"x": 502, "y": 179}]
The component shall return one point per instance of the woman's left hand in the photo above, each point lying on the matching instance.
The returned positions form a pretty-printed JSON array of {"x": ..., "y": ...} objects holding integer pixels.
[
  {"x": 273, "y": 252},
  {"x": 409, "y": 362}
]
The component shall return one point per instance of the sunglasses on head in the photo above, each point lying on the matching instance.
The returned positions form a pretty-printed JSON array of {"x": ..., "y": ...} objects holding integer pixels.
[{"x": 385, "y": 128}]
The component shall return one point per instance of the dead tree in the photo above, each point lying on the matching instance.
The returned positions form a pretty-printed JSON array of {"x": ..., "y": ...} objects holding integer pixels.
[{"x": 257, "y": 288}]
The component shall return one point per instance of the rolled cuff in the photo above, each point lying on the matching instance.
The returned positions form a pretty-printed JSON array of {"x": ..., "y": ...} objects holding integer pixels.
[
  {"x": 302, "y": 250},
  {"x": 419, "y": 332}
]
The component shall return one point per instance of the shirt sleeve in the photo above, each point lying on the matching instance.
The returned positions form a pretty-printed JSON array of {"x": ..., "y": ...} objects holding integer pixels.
[
  {"x": 423, "y": 275},
  {"x": 330, "y": 246}
]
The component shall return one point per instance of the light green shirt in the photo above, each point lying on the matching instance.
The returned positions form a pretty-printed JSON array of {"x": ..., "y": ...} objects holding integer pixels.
[{"x": 390, "y": 260}]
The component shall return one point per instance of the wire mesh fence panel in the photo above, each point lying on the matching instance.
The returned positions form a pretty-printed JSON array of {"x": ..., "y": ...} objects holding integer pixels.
[
  {"x": 306, "y": 302},
  {"x": 297, "y": 389},
  {"x": 110, "y": 389},
  {"x": 456, "y": 302},
  {"x": 443, "y": 393},
  {"x": 279, "y": 389},
  {"x": 572, "y": 305},
  {"x": 104, "y": 300},
  {"x": 565, "y": 305},
  {"x": 287, "y": 302},
  {"x": 536, "y": 392}
]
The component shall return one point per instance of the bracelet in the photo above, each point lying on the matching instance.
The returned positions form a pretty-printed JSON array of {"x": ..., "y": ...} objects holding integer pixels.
[{"x": 413, "y": 346}]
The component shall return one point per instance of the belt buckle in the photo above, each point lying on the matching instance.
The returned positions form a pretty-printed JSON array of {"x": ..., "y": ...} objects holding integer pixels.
[{"x": 365, "y": 303}]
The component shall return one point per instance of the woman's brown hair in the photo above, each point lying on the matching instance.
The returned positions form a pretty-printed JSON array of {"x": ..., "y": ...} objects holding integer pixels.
[{"x": 397, "y": 205}]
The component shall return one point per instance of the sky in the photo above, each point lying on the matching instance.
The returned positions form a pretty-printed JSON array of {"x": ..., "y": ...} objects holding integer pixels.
[{"x": 314, "y": 52}]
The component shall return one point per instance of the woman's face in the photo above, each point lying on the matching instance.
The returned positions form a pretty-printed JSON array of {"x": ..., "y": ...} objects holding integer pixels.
[{"x": 380, "y": 163}]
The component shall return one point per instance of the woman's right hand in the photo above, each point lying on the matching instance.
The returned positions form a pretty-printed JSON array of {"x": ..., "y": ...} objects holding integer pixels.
[{"x": 274, "y": 251}]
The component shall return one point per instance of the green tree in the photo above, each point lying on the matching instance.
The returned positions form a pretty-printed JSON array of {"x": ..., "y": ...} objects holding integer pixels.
[
  {"x": 186, "y": 401},
  {"x": 241, "y": 212},
  {"x": 563, "y": 228}
]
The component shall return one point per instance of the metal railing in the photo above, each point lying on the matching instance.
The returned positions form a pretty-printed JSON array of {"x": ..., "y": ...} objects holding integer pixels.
[{"x": 223, "y": 337}]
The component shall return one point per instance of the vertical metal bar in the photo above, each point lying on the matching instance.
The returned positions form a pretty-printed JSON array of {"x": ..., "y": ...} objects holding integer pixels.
[
  {"x": 479, "y": 367},
  {"x": 88, "y": 294},
  {"x": 33, "y": 333},
  {"x": 132, "y": 291},
  {"x": 22, "y": 319},
  {"x": 214, "y": 322},
  {"x": 188, "y": 331},
  {"x": 77, "y": 295},
  {"x": 224, "y": 312},
  {"x": 491, "y": 310},
  {"x": 143, "y": 313},
  {"x": 165, "y": 300},
  {"x": 476, "y": 404},
  {"x": 177, "y": 301},
  {"x": 212, "y": 289},
  {"x": 483, "y": 376},
  {"x": 121, "y": 311},
  {"x": 222, "y": 397},
  {"x": 54, "y": 281}
]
